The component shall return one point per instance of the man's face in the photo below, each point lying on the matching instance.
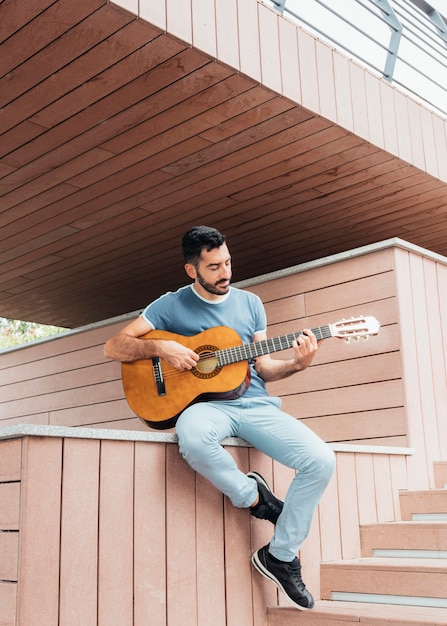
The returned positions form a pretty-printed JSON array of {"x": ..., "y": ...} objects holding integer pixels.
[{"x": 213, "y": 272}]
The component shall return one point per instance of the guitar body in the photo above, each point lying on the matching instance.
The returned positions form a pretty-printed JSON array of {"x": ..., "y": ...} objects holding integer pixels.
[{"x": 158, "y": 393}]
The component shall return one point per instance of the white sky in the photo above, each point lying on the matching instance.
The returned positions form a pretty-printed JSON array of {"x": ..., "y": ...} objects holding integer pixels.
[{"x": 439, "y": 5}]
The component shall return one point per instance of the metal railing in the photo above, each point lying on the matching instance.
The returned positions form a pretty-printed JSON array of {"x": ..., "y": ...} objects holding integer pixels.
[{"x": 404, "y": 41}]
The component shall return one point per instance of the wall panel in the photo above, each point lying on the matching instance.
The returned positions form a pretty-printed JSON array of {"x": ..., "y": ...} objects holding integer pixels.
[{"x": 387, "y": 390}]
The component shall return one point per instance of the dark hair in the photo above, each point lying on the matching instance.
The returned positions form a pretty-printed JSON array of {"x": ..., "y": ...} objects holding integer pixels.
[{"x": 198, "y": 238}]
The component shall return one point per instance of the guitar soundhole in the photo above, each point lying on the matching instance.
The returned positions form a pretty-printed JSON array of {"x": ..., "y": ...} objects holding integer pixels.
[{"x": 207, "y": 366}]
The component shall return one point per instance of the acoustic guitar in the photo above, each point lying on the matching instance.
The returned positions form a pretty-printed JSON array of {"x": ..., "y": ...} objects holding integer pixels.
[{"x": 158, "y": 392}]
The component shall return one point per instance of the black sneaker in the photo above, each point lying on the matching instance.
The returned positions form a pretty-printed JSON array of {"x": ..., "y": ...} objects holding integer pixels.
[
  {"x": 286, "y": 575},
  {"x": 269, "y": 506}
]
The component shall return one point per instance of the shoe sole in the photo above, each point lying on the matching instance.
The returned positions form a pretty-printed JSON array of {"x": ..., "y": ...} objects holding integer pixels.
[
  {"x": 260, "y": 479},
  {"x": 265, "y": 572}
]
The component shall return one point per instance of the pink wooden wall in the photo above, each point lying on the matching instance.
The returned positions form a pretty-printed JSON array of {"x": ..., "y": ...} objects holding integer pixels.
[
  {"x": 351, "y": 393},
  {"x": 103, "y": 531},
  {"x": 389, "y": 390}
]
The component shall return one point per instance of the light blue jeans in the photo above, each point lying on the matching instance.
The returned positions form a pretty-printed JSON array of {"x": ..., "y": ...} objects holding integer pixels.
[{"x": 262, "y": 424}]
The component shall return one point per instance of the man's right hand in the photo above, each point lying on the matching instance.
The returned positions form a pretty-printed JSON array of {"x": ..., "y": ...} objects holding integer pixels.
[{"x": 180, "y": 357}]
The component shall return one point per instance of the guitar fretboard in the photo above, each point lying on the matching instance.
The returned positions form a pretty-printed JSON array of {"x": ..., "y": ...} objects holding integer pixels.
[{"x": 249, "y": 351}]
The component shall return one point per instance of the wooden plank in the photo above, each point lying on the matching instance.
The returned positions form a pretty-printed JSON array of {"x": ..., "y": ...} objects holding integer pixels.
[
  {"x": 81, "y": 70},
  {"x": 403, "y": 126},
  {"x": 45, "y": 28},
  {"x": 113, "y": 414},
  {"x": 51, "y": 365},
  {"x": 349, "y": 513},
  {"x": 326, "y": 82},
  {"x": 249, "y": 45},
  {"x": 79, "y": 532},
  {"x": 440, "y": 132},
  {"x": 269, "y": 48},
  {"x": 179, "y": 20},
  {"x": 388, "y": 118},
  {"x": 329, "y": 522},
  {"x": 366, "y": 489},
  {"x": 358, "y": 94},
  {"x": 374, "y": 396},
  {"x": 181, "y": 548},
  {"x": 115, "y": 548},
  {"x": 440, "y": 471},
  {"x": 9, "y": 554},
  {"x": 10, "y": 506},
  {"x": 399, "y": 481},
  {"x": 39, "y": 549},
  {"x": 431, "y": 163},
  {"x": 8, "y": 602},
  {"x": 357, "y": 292},
  {"x": 364, "y": 425},
  {"x": 310, "y": 558},
  {"x": 417, "y": 464},
  {"x": 289, "y": 60},
  {"x": 119, "y": 113},
  {"x": 273, "y": 129},
  {"x": 203, "y": 17},
  {"x": 308, "y": 71},
  {"x": 316, "y": 278},
  {"x": 244, "y": 590},
  {"x": 343, "y": 97},
  {"x": 383, "y": 483},
  {"x": 17, "y": 14},
  {"x": 375, "y": 122},
  {"x": 287, "y": 308},
  {"x": 150, "y": 564},
  {"x": 10, "y": 460},
  {"x": 210, "y": 556},
  {"x": 432, "y": 356},
  {"x": 75, "y": 379},
  {"x": 58, "y": 400},
  {"x": 356, "y": 370},
  {"x": 61, "y": 345}
]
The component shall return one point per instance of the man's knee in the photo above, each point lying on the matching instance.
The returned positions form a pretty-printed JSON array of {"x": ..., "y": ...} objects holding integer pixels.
[{"x": 327, "y": 464}]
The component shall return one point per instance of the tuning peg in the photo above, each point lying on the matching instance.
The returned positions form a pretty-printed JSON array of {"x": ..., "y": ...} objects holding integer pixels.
[{"x": 348, "y": 339}]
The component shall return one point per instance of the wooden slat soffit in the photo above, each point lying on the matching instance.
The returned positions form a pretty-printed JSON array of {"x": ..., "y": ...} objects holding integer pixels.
[{"x": 115, "y": 137}]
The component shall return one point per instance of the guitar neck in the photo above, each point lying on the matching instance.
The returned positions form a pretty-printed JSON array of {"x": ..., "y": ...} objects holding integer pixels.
[{"x": 249, "y": 351}]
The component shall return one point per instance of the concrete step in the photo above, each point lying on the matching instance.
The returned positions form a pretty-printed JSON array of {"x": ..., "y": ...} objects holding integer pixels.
[
  {"x": 331, "y": 613},
  {"x": 407, "y": 581},
  {"x": 428, "y": 505},
  {"x": 406, "y": 539}
]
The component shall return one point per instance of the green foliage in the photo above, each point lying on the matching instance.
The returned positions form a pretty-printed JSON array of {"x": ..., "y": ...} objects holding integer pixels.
[{"x": 18, "y": 332}]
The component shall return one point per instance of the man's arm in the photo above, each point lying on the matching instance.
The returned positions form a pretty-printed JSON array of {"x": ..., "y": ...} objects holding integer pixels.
[
  {"x": 128, "y": 346},
  {"x": 304, "y": 348}
]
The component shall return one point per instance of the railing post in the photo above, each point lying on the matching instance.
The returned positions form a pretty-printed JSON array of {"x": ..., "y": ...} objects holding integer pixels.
[{"x": 396, "y": 33}]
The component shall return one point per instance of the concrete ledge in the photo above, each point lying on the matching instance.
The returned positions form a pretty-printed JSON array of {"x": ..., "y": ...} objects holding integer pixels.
[{"x": 39, "y": 430}]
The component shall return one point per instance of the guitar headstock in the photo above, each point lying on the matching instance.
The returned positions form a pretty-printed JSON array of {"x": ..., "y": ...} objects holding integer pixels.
[{"x": 355, "y": 328}]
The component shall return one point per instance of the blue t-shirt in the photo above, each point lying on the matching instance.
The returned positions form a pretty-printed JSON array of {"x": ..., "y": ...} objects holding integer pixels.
[{"x": 185, "y": 312}]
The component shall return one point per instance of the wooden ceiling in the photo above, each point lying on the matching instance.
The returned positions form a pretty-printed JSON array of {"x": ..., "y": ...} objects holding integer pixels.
[{"x": 116, "y": 138}]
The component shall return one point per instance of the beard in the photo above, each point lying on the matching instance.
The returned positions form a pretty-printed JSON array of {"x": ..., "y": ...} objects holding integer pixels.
[{"x": 220, "y": 288}]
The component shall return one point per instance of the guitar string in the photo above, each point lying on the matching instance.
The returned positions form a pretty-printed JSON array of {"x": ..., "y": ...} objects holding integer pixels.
[{"x": 247, "y": 351}]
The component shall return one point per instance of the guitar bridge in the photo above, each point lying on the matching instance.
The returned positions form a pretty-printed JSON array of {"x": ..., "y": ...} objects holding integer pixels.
[{"x": 158, "y": 376}]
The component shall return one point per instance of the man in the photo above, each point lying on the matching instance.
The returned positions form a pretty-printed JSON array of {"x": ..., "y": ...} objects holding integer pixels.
[{"x": 255, "y": 417}]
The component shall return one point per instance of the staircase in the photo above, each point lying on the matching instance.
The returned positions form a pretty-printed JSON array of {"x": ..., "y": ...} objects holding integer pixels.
[{"x": 401, "y": 578}]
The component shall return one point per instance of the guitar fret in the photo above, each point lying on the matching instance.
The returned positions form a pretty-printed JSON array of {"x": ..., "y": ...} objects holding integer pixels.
[{"x": 248, "y": 351}]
